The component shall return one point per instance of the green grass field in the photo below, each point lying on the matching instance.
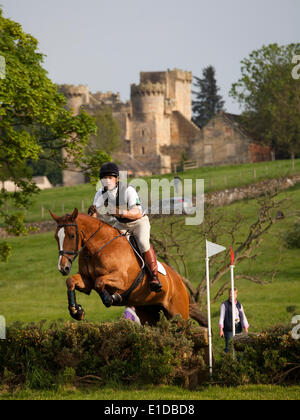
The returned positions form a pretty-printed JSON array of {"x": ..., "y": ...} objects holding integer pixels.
[
  {"x": 249, "y": 392},
  {"x": 64, "y": 199},
  {"x": 32, "y": 289}
]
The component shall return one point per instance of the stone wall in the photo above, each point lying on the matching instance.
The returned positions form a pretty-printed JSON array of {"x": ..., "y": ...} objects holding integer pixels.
[
  {"x": 222, "y": 198},
  {"x": 183, "y": 131},
  {"x": 224, "y": 143}
]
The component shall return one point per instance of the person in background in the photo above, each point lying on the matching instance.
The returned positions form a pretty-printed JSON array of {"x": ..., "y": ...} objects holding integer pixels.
[
  {"x": 177, "y": 183},
  {"x": 225, "y": 323}
]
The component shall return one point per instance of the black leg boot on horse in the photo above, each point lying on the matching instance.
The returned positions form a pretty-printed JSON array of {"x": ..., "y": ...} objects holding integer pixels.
[
  {"x": 109, "y": 300},
  {"x": 150, "y": 259},
  {"x": 76, "y": 310}
]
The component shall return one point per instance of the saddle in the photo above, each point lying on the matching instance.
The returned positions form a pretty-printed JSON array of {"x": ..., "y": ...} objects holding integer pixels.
[{"x": 131, "y": 239}]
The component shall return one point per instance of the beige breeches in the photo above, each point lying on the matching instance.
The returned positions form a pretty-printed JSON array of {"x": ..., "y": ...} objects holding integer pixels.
[{"x": 140, "y": 229}]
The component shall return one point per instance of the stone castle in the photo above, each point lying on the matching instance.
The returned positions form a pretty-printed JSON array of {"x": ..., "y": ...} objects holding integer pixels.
[{"x": 157, "y": 129}]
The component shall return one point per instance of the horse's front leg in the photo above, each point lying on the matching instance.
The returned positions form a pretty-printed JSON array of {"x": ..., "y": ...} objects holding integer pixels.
[
  {"x": 111, "y": 280},
  {"x": 76, "y": 282}
]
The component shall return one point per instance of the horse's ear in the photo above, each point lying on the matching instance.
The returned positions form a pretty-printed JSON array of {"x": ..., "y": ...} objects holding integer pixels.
[
  {"x": 54, "y": 217},
  {"x": 74, "y": 214}
]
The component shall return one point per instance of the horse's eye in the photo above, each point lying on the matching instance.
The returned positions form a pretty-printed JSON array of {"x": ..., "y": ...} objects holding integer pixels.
[{"x": 72, "y": 236}]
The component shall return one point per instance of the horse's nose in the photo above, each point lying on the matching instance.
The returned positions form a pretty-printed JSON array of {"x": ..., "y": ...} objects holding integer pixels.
[{"x": 65, "y": 270}]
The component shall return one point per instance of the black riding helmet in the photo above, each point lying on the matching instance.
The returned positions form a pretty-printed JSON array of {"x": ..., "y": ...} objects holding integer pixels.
[{"x": 109, "y": 169}]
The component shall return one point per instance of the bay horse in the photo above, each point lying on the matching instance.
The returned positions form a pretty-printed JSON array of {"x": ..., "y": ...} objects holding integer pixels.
[{"x": 109, "y": 265}]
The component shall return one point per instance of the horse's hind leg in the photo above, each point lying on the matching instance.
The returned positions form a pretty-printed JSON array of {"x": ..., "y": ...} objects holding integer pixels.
[
  {"x": 76, "y": 282},
  {"x": 150, "y": 314}
]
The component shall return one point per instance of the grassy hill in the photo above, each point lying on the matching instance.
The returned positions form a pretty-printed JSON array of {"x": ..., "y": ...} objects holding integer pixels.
[{"x": 65, "y": 199}]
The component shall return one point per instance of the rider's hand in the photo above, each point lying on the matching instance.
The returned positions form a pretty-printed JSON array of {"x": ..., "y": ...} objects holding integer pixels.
[
  {"x": 92, "y": 210},
  {"x": 221, "y": 332}
]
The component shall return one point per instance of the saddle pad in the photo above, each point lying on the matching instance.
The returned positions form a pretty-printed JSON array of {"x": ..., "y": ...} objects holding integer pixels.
[{"x": 161, "y": 268}]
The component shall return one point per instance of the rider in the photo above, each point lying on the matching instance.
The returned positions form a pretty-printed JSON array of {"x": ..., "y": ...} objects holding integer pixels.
[{"x": 132, "y": 219}]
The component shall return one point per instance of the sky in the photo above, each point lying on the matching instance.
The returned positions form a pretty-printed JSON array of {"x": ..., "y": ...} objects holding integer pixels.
[{"x": 106, "y": 43}]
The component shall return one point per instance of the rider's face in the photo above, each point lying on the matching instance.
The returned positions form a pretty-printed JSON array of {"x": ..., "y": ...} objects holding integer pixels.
[{"x": 110, "y": 182}]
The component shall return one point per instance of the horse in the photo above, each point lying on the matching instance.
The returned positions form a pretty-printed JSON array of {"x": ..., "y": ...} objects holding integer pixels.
[{"x": 109, "y": 265}]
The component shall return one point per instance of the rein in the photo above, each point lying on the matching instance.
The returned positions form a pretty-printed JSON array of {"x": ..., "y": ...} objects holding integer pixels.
[{"x": 78, "y": 251}]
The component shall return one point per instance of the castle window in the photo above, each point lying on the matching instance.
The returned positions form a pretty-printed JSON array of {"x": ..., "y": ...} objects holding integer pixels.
[
  {"x": 143, "y": 132},
  {"x": 128, "y": 146},
  {"x": 143, "y": 150}
]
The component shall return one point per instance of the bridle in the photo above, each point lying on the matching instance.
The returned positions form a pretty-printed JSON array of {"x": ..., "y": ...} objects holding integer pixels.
[{"x": 65, "y": 253}]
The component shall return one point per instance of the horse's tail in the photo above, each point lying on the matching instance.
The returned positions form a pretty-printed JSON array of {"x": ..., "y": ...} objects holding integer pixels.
[
  {"x": 197, "y": 314},
  {"x": 194, "y": 309}
]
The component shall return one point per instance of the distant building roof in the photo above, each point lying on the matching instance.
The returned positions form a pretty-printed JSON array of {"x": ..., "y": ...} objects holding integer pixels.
[
  {"x": 237, "y": 121},
  {"x": 42, "y": 182},
  {"x": 130, "y": 164}
]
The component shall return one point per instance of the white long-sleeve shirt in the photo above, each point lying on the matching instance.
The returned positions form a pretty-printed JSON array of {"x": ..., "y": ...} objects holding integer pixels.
[
  {"x": 131, "y": 197},
  {"x": 222, "y": 316}
]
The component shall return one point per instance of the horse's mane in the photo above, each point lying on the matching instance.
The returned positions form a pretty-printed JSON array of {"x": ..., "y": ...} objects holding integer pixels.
[{"x": 95, "y": 220}]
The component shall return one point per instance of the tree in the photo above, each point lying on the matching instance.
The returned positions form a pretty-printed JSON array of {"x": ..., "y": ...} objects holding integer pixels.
[
  {"x": 108, "y": 136},
  {"x": 270, "y": 97},
  {"x": 174, "y": 241},
  {"x": 34, "y": 123},
  {"x": 207, "y": 103}
]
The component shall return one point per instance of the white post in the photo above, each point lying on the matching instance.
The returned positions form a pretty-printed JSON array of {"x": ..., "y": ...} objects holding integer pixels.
[
  {"x": 209, "y": 316},
  {"x": 232, "y": 302}
]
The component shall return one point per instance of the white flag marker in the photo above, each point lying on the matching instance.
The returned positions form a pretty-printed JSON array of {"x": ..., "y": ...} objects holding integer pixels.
[{"x": 211, "y": 249}]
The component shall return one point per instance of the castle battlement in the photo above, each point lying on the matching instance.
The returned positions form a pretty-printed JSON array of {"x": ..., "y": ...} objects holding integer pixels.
[
  {"x": 183, "y": 75},
  {"x": 73, "y": 91},
  {"x": 148, "y": 88}
]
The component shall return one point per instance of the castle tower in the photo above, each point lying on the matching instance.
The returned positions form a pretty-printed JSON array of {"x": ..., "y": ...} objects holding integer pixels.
[
  {"x": 150, "y": 127},
  {"x": 76, "y": 96},
  {"x": 177, "y": 88}
]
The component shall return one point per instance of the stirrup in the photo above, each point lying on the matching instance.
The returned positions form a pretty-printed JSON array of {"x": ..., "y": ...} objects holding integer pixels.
[{"x": 155, "y": 285}]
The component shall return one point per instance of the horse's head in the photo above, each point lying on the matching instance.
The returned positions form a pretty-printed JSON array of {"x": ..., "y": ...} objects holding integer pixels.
[{"x": 68, "y": 238}]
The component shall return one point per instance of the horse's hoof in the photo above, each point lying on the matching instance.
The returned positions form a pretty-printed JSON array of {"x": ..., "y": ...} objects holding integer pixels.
[
  {"x": 117, "y": 299},
  {"x": 77, "y": 312},
  {"x": 106, "y": 299}
]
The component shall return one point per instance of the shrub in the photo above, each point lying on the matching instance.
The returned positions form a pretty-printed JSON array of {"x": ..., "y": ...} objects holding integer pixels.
[
  {"x": 292, "y": 238},
  {"x": 272, "y": 356},
  {"x": 122, "y": 352}
]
